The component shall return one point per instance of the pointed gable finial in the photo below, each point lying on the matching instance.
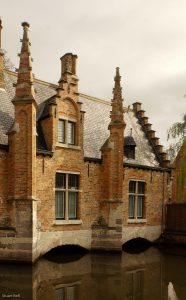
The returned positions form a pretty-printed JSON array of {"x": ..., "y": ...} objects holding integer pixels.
[
  {"x": 117, "y": 101},
  {"x": 24, "y": 86},
  {"x": 117, "y": 87}
]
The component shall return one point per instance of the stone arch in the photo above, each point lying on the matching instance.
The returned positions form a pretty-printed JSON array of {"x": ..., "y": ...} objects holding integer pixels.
[
  {"x": 73, "y": 104},
  {"x": 150, "y": 233},
  {"x": 69, "y": 108},
  {"x": 51, "y": 240}
]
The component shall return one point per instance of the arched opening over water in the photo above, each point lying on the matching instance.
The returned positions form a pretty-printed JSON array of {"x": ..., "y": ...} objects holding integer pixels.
[
  {"x": 136, "y": 245},
  {"x": 66, "y": 253}
]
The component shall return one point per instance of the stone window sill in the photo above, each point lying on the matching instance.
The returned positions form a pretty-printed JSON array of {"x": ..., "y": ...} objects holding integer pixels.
[
  {"x": 68, "y": 146},
  {"x": 67, "y": 222},
  {"x": 132, "y": 221}
]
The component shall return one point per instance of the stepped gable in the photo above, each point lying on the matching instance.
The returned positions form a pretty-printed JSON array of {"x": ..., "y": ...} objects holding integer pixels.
[
  {"x": 97, "y": 118},
  {"x": 150, "y": 134}
]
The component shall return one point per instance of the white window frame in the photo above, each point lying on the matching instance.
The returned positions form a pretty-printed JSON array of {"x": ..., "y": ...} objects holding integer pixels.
[
  {"x": 66, "y": 190},
  {"x": 67, "y": 125},
  {"x": 61, "y": 133},
  {"x": 136, "y": 195}
]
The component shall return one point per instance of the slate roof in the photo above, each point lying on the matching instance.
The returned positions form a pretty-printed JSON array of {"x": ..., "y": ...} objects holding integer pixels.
[
  {"x": 97, "y": 118},
  {"x": 43, "y": 92}
]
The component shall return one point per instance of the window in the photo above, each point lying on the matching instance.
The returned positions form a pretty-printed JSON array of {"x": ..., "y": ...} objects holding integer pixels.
[
  {"x": 66, "y": 196},
  {"x": 129, "y": 147},
  {"x": 71, "y": 133},
  {"x": 129, "y": 152},
  {"x": 66, "y": 132},
  {"x": 61, "y": 131},
  {"x": 136, "y": 199}
]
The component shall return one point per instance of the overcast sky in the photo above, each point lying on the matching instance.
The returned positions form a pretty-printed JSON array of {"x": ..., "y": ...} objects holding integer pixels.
[{"x": 145, "y": 38}]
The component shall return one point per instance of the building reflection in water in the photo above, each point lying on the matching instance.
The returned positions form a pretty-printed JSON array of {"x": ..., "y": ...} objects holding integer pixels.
[
  {"x": 134, "y": 284},
  {"x": 149, "y": 275}
]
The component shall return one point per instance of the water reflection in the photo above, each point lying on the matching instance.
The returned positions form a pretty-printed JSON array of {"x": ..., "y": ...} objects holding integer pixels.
[{"x": 146, "y": 276}]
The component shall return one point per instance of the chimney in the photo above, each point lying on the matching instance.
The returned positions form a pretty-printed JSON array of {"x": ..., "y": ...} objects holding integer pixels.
[{"x": 69, "y": 80}]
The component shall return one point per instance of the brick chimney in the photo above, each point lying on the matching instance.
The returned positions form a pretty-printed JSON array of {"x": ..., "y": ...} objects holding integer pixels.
[{"x": 69, "y": 80}]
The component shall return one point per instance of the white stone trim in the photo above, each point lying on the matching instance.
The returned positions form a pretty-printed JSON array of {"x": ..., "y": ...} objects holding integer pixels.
[
  {"x": 69, "y": 146},
  {"x": 67, "y": 172},
  {"x": 131, "y": 221},
  {"x": 67, "y": 222}
]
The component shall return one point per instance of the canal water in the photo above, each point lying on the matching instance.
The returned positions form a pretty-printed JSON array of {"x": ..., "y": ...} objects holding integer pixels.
[{"x": 150, "y": 275}]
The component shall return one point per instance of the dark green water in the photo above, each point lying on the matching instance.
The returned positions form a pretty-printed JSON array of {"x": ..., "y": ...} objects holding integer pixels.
[{"x": 150, "y": 275}]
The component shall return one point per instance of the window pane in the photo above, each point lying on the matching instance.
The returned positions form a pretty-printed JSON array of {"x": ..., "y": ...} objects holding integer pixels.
[
  {"x": 141, "y": 187},
  {"x": 61, "y": 131},
  {"x": 60, "y": 180},
  {"x": 132, "y": 186},
  {"x": 72, "y": 205},
  {"x": 140, "y": 207},
  {"x": 60, "y": 205},
  {"x": 71, "y": 133},
  {"x": 59, "y": 294},
  {"x": 73, "y": 181},
  {"x": 131, "y": 206}
]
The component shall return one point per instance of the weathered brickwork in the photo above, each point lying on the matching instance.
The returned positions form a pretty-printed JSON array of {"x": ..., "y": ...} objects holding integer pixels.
[
  {"x": 155, "y": 193},
  {"x": 179, "y": 176},
  {"x": 44, "y": 164},
  {"x": 4, "y": 204}
]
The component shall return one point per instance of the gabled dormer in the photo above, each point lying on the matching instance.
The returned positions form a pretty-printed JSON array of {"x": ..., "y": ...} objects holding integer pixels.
[
  {"x": 69, "y": 114},
  {"x": 129, "y": 148},
  {"x": 60, "y": 118}
]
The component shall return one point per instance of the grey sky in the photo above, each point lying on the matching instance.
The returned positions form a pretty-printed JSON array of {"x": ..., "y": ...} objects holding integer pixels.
[{"x": 145, "y": 38}]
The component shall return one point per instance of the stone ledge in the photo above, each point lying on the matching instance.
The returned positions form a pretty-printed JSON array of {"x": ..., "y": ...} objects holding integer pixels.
[
  {"x": 67, "y": 222},
  {"x": 132, "y": 221},
  {"x": 68, "y": 146}
]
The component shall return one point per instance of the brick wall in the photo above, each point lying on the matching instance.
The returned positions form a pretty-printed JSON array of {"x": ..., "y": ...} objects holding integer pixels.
[
  {"x": 4, "y": 204},
  {"x": 179, "y": 176}
]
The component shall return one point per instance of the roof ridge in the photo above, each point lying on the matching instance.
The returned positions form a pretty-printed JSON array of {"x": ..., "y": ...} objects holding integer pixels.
[
  {"x": 47, "y": 83},
  {"x": 95, "y": 99}
]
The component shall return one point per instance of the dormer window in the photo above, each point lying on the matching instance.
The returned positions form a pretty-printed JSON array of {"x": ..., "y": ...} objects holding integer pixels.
[
  {"x": 71, "y": 133},
  {"x": 66, "y": 132},
  {"x": 129, "y": 152},
  {"x": 61, "y": 131},
  {"x": 129, "y": 147}
]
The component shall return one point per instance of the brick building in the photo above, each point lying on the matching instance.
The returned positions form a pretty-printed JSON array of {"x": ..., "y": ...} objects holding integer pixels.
[{"x": 74, "y": 169}]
